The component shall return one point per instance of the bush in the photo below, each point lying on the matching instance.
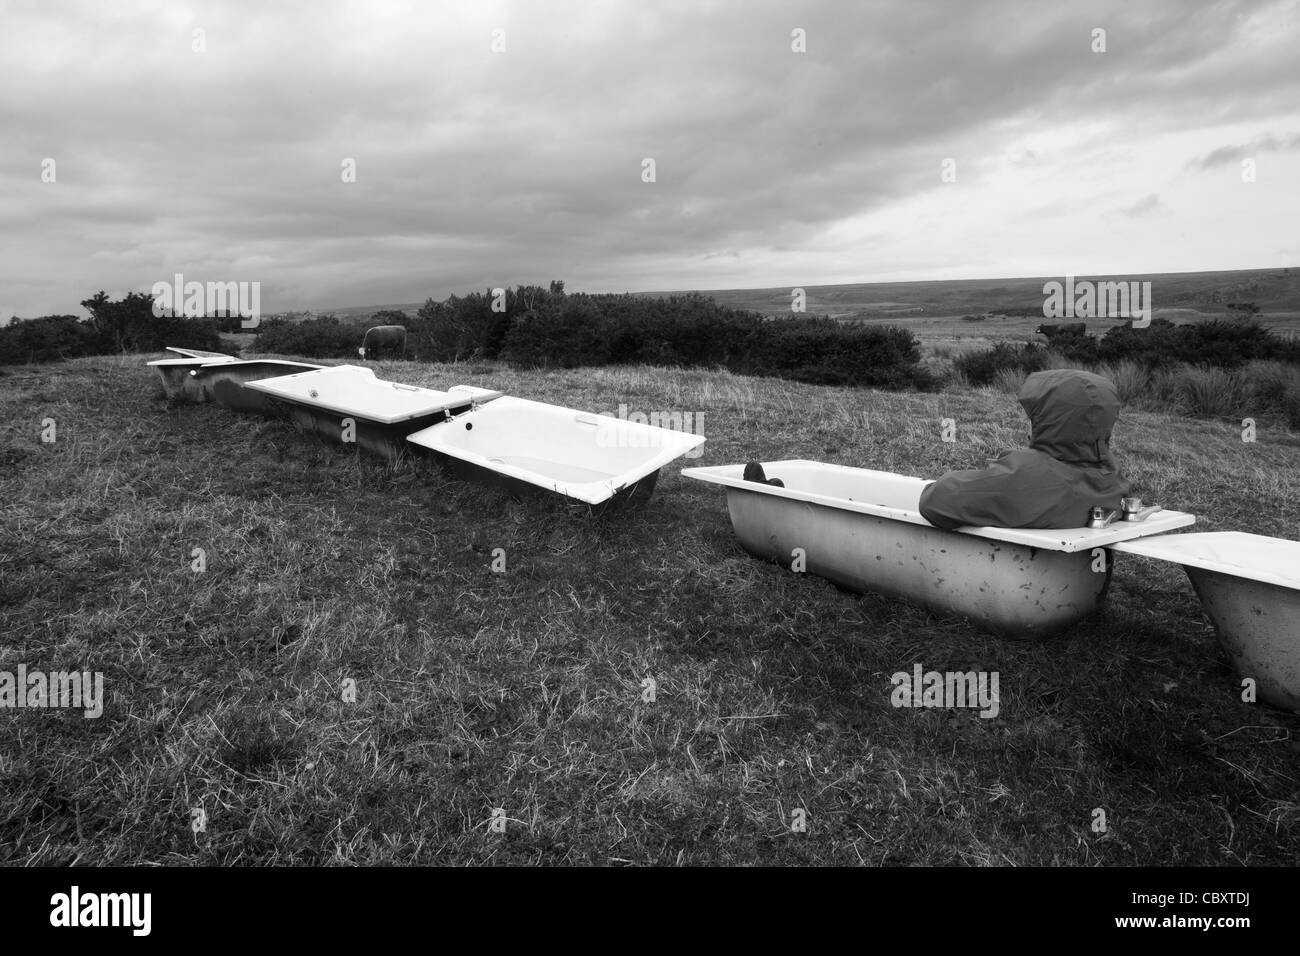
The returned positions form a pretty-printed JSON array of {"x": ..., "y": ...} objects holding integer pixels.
[
  {"x": 47, "y": 339},
  {"x": 545, "y": 327},
  {"x": 228, "y": 323},
  {"x": 693, "y": 330},
  {"x": 566, "y": 336},
  {"x": 159, "y": 333},
  {"x": 127, "y": 325},
  {"x": 1217, "y": 342},
  {"x": 824, "y": 352},
  {"x": 323, "y": 337},
  {"x": 467, "y": 327},
  {"x": 1129, "y": 356},
  {"x": 982, "y": 367}
]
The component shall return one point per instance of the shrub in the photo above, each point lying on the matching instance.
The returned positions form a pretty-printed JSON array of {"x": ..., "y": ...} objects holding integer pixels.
[
  {"x": 824, "y": 352},
  {"x": 323, "y": 337},
  {"x": 46, "y": 339},
  {"x": 1218, "y": 342},
  {"x": 228, "y": 323},
  {"x": 982, "y": 367},
  {"x": 566, "y": 336},
  {"x": 545, "y": 327},
  {"x": 1226, "y": 343},
  {"x": 129, "y": 325},
  {"x": 693, "y": 330},
  {"x": 467, "y": 327},
  {"x": 159, "y": 333}
]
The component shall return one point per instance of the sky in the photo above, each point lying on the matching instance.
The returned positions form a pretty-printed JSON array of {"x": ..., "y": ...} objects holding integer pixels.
[{"x": 499, "y": 143}]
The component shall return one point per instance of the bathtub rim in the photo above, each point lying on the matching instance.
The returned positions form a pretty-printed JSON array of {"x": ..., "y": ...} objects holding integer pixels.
[
  {"x": 190, "y": 362},
  {"x": 1062, "y": 539},
  {"x": 198, "y": 354}
]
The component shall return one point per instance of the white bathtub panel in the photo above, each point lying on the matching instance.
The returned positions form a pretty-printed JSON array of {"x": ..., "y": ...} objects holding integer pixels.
[{"x": 1253, "y": 556}]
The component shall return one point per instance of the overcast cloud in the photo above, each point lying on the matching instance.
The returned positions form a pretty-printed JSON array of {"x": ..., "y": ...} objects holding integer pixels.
[{"x": 478, "y": 168}]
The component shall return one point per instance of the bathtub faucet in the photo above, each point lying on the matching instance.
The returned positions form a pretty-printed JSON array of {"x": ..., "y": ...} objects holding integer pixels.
[
  {"x": 1099, "y": 517},
  {"x": 1133, "y": 510}
]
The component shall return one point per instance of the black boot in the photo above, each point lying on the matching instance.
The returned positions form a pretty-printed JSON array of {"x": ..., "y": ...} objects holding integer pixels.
[{"x": 754, "y": 472}]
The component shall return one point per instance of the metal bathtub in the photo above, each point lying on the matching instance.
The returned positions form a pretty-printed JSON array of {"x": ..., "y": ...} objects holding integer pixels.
[
  {"x": 347, "y": 402},
  {"x": 1249, "y": 587},
  {"x": 524, "y": 445},
  {"x": 860, "y": 529}
]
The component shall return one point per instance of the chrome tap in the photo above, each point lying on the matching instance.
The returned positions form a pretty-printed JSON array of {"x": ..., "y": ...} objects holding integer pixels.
[
  {"x": 1099, "y": 517},
  {"x": 1133, "y": 510}
]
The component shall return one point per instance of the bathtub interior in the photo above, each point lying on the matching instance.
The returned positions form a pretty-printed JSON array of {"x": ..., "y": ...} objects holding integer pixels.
[
  {"x": 888, "y": 495},
  {"x": 272, "y": 367},
  {"x": 1236, "y": 553},
  {"x": 578, "y": 454},
  {"x": 354, "y": 390}
]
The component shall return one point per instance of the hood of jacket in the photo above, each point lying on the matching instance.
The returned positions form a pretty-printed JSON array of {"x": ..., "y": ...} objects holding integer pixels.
[{"x": 1072, "y": 414}]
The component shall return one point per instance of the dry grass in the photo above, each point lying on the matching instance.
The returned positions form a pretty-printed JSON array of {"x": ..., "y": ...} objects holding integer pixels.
[
  {"x": 523, "y": 690},
  {"x": 1131, "y": 379}
]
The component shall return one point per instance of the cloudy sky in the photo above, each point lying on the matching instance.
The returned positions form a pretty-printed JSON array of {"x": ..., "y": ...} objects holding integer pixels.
[{"x": 221, "y": 154}]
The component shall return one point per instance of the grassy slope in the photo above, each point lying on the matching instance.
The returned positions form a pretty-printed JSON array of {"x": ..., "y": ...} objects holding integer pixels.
[{"x": 522, "y": 691}]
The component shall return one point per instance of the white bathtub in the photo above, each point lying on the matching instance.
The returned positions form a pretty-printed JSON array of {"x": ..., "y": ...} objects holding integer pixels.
[
  {"x": 175, "y": 375},
  {"x": 861, "y": 529},
  {"x": 1249, "y": 586},
  {"x": 221, "y": 379},
  {"x": 590, "y": 458},
  {"x": 382, "y": 413}
]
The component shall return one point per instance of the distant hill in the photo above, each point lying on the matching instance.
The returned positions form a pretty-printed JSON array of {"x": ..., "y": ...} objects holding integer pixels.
[{"x": 1275, "y": 291}]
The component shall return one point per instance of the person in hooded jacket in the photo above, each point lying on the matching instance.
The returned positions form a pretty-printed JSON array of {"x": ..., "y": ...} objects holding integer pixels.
[{"x": 1065, "y": 471}]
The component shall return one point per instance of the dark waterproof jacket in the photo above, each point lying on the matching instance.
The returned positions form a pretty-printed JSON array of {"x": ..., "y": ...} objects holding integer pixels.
[{"x": 1066, "y": 469}]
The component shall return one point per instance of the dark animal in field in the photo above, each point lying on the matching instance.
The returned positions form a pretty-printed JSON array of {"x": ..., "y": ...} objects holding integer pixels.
[
  {"x": 384, "y": 338},
  {"x": 1069, "y": 328}
]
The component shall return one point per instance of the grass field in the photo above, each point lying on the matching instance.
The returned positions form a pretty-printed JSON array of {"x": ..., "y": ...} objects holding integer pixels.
[{"x": 523, "y": 690}]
